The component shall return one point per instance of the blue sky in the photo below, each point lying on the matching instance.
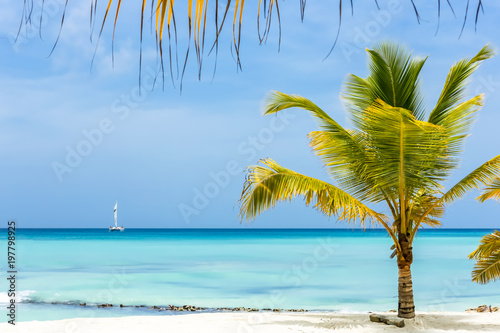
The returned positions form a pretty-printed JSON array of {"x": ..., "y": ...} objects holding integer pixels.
[{"x": 175, "y": 160}]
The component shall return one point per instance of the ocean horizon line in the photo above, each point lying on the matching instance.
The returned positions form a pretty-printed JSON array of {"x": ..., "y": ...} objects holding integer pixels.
[{"x": 167, "y": 228}]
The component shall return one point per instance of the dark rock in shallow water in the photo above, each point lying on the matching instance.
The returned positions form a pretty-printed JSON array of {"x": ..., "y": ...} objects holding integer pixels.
[
  {"x": 239, "y": 309},
  {"x": 295, "y": 310},
  {"x": 105, "y": 305},
  {"x": 389, "y": 321},
  {"x": 193, "y": 308},
  {"x": 483, "y": 308},
  {"x": 83, "y": 304},
  {"x": 183, "y": 308},
  {"x": 189, "y": 308}
]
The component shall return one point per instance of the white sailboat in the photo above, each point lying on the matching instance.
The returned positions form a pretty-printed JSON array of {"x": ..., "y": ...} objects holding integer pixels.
[{"x": 116, "y": 227}]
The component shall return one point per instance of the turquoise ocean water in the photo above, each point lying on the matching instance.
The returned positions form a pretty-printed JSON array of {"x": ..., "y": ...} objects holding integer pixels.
[{"x": 314, "y": 269}]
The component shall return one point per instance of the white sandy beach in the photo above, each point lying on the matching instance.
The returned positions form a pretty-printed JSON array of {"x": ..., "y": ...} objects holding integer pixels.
[{"x": 263, "y": 322}]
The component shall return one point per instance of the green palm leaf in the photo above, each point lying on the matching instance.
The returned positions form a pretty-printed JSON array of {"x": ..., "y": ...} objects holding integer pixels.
[
  {"x": 487, "y": 269},
  {"x": 342, "y": 150},
  {"x": 481, "y": 176},
  {"x": 487, "y": 256},
  {"x": 394, "y": 79},
  {"x": 278, "y": 101},
  {"x": 345, "y": 162},
  {"x": 492, "y": 191},
  {"x": 269, "y": 184},
  {"x": 423, "y": 202},
  {"x": 458, "y": 121},
  {"x": 489, "y": 244},
  {"x": 403, "y": 152},
  {"x": 454, "y": 89}
]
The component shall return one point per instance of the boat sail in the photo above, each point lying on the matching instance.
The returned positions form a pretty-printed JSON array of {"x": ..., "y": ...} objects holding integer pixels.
[{"x": 116, "y": 227}]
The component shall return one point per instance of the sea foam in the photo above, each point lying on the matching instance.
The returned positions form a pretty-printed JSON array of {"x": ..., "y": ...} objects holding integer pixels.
[{"x": 21, "y": 296}]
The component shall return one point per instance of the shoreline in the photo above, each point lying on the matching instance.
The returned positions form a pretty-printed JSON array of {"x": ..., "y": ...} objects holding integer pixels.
[
  {"x": 193, "y": 308},
  {"x": 180, "y": 308},
  {"x": 265, "y": 322}
]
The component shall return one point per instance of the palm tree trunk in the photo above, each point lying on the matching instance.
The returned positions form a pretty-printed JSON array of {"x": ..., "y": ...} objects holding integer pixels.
[{"x": 406, "y": 306}]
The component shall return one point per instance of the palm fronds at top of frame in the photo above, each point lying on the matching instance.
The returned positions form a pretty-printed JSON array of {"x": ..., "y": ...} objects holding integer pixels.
[{"x": 203, "y": 15}]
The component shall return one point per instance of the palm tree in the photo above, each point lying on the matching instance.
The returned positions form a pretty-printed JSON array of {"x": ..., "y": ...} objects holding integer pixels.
[
  {"x": 397, "y": 154},
  {"x": 199, "y": 13},
  {"x": 487, "y": 254}
]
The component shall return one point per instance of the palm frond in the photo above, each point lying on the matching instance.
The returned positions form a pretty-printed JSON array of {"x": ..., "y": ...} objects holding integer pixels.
[
  {"x": 345, "y": 162},
  {"x": 162, "y": 11},
  {"x": 483, "y": 175},
  {"x": 457, "y": 122},
  {"x": 425, "y": 200},
  {"x": 343, "y": 151},
  {"x": 433, "y": 223},
  {"x": 487, "y": 256},
  {"x": 394, "y": 79},
  {"x": 454, "y": 89},
  {"x": 404, "y": 153},
  {"x": 492, "y": 191},
  {"x": 489, "y": 244},
  {"x": 278, "y": 101},
  {"x": 426, "y": 209},
  {"x": 487, "y": 269},
  {"x": 269, "y": 184}
]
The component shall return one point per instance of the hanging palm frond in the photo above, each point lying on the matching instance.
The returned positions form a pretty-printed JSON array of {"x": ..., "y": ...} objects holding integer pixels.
[{"x": 163, "y": 15}]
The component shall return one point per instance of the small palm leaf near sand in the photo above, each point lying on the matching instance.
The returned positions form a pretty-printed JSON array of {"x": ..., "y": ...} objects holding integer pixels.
[
  {"x": 398, "y": 153},
  {"x": 487, "y": 254}
]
